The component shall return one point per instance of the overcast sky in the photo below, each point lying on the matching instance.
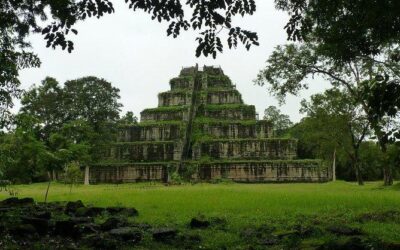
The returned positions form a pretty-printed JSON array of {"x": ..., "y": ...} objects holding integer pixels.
[{"x": 133, "y": 52}]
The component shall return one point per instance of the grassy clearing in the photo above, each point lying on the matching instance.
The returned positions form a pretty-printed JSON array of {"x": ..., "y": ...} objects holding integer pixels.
[{"x": 242, "y": 205}]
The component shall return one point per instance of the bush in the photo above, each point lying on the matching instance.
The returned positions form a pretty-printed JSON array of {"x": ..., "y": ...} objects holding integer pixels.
[{"x": 72, "y": 173}]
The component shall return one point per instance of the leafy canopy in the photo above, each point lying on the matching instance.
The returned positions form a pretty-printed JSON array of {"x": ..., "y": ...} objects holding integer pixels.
[{"x": 344, "y": 29}]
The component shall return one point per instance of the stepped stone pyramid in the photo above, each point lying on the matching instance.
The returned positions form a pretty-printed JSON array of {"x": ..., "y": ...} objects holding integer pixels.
[{"x": 203, "y": 130}]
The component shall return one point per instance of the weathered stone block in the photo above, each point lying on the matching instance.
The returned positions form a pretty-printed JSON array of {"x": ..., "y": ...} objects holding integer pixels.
[
  {"x": 180, "y": 113},
  {"x": 151, "y": 132},
  {"x": 224, "y": 97},
  {"x": 246, "y": 149},
  {"x": 174, "y": 98}
]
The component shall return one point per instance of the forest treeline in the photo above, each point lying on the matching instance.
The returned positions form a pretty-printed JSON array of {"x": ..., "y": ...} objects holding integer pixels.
[
  {"x": 60, "y": 124},
  {"x": 337, "y": 133}
]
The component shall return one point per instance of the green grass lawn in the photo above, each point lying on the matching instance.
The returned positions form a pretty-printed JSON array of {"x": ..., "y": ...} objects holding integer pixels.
[{"x": 242, "y": 205}]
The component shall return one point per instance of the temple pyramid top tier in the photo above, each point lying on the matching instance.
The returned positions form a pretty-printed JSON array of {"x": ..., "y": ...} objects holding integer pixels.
[
  {"x": 213, "y": 77},
  {"x": 206, "y": 88}
]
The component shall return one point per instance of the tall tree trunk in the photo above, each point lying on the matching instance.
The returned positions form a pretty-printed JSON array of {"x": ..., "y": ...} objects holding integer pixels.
[
  {"x": 54, "y": 175},
  {"x": 356, "y": 166},
  {"x": 359, "y": 177},
  {"x": 334, "y": 166},
  {"x": 387, "y": 171},
  {"x": 387, "y": 176}
]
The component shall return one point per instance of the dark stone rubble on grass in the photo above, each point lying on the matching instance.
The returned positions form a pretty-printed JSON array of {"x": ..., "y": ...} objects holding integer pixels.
[{"x": 25, "y": 224}]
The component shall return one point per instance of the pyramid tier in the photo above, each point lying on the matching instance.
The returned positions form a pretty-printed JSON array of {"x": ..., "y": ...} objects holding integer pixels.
[
  {"x": 216, "y": 81},
  {"x": 181, "y": 83},
  {"x": 151, "y": 131},
  {"x": 144, "y": 151},
  {"x": 265, "y": 171},
  {"x": 173, "y": 113},
  {"x": 239, "y": 171},
  {"x": 186, "y": 82},
  {"x": 240, "y": 129},
  {"x": 246, "y": 149},
  {"x": 227, "y": 112},
  {"x": 129, "y": 172},
  {"x": 175, "y": 98},
  {"x": 184, "y": 97},
  {"x": 224, "y": 96}
]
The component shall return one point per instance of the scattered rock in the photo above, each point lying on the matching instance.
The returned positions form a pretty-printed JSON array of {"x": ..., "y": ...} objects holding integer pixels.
[
  {"x": 353, "y": 243},
  {"x": 96, "y": 241},
  {"x": 87, "y": 228},
  {"x": 382, "y": 216},
  {"x": 65, "y": 228},
  {"x": 127, "y": 234},
  {"x": 164, "y": 234},
  {"x": 89, "y": 211},
  {"x": 5, "y": 209},
  {"x": 112, "y": 223},
  {"x": 42, "y": 215},
  {"x": 122, "y": 211},
  {"x": 14, "y": 201},
  {"x": 95, "y": 211},
  {"x": 24, "y": 230},
  {"x": 73, "y": 206},
  {"x": 114, "y": 210},
  {"x": 142, "y": 226},
  {"x": 41, "y": 225},
  {"x": 66, "y": 225},
  {"x": 270, "y": 241},
  {"x": 306, "y": 230},
  {"x": 81, "y": 220},
  {"x": 81, "y": 211},
  {"x": 391, "y": 245},
  {"x": 344, "y": 230},
  {"x": 199, "y": 222},
  {"x": 26, "y": 202}
]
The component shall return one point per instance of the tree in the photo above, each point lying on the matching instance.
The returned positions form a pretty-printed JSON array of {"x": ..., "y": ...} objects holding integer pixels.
[
  {"x": 72, "y": 173},
  {"x": 281, "y": 122},
  {"x": 373, "y": 82},
  {"x": 46, "y": 103},
  {"x": 344, "y": 30},
  {"x": 342, "y": 121},
  {"x": 91, "y": 99},
  {"x": 318, "y": 137},
  {"x": 88, "y": 99},
  {"x": 13, "y": 57},
  {"x": 128, "y": 118},
  {"x": 25, "y": 157},
  {"x": 70, "y": 123}
]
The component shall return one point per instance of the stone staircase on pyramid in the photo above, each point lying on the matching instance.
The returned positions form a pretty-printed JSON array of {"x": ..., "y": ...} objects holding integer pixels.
[{"x": 202, "y": 130}]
